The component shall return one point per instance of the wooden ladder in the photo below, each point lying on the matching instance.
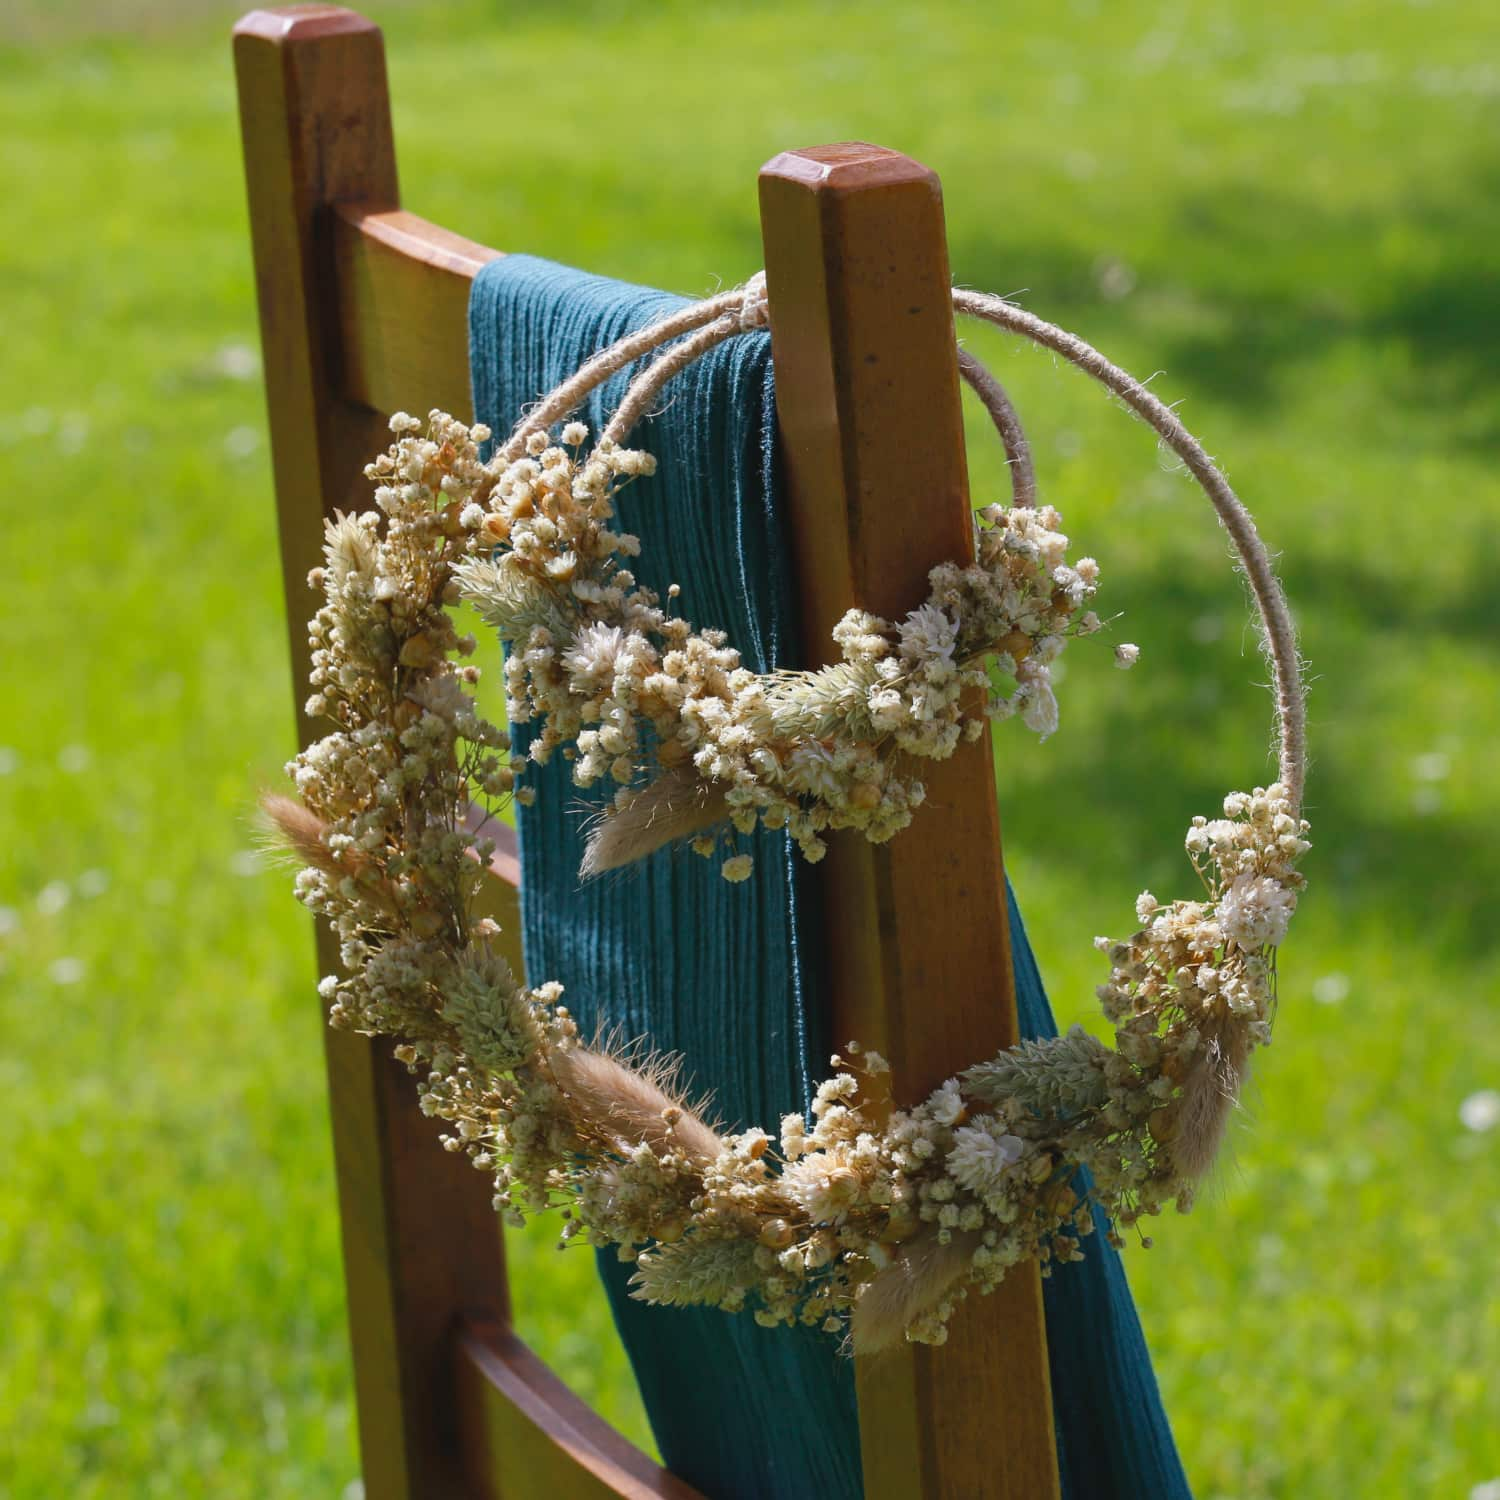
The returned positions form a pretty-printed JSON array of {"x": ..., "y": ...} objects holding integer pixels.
[{"x": 363, "y": 312}]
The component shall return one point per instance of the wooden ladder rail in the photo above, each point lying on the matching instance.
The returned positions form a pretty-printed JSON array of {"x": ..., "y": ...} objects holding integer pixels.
[{"x": 363, "y": 311}]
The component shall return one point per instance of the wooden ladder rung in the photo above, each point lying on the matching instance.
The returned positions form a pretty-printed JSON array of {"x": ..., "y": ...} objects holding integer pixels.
[{"x": 521, "y": 1422}]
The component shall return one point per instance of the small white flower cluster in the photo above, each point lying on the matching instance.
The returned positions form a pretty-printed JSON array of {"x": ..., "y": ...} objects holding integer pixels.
[
  {"x": 882, "y": 1219},
  {"x": 629, "y": 691},
  {"x": 387, "y": 786}
]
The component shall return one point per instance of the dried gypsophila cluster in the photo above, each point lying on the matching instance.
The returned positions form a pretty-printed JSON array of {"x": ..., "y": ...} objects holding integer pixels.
[
  {"x": 861, "y": 1216},
  {"x": 697, "y": 743}
]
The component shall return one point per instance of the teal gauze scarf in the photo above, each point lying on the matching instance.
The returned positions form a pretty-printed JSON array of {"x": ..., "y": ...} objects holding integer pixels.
[{"x": 727, "y": 974}]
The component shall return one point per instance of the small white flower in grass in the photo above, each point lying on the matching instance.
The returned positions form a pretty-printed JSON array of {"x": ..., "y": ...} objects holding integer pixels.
[
  {"x": 1481, "y": 1111},
  {"x": 1331, "y": 989},
  {"x": 9, "y": 760},
  {"x": 241, "y": 442},
  {"x": 1489, "y": 1490},
  {"x": 67, "y": 970},
  {"x": 53, "y": 897},
  {"x": 93, "y": 882},
  {"x": 1431, "y": 767},
  {"x": 980, "y": 1155},
  {"x": 235, "y": 362},
  {"x": 74, "y": 759},
  {"x": 10, "y": 919},
  {"x": 738, "y": 868},
  {"x": 1255, "y": 910},
  {"x": 1127, "y": 655}
]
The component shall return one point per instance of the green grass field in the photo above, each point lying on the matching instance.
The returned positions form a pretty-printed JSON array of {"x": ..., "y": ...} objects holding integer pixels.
[{"x": 1290, "y": 210}]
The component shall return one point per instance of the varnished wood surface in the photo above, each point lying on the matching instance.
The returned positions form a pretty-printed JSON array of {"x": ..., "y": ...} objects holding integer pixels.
[
  {"x": 528, "y": 1437},
  {"x": 916, "y": 943},
  {"x": 403, "y": 310},
  {"x": 421, "y": 1244}
]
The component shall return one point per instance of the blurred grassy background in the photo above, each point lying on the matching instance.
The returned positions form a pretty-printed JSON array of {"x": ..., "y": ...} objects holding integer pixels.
[{"x": 1290, "y": 210}]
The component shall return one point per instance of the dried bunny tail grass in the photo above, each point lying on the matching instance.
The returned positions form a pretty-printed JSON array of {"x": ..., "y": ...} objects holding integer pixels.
[
  {"x": 634, "y": 1102},
  {"x": 1210, "y": 1092},
  {"x": 294, "y": 829},
  {"x": 915, "y": 1283},
  {"x": 677, "y": 805}
]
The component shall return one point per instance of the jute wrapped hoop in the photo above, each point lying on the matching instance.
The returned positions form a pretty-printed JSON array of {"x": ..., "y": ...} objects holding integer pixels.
[{"x": 856, "y": 1218}]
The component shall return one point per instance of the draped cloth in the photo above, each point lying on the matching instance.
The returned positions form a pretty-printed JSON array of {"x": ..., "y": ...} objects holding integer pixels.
[{"x": 727, "y": 974}]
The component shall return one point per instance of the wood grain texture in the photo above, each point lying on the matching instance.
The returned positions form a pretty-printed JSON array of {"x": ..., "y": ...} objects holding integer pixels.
[
  {"x": 528, "y": 1437},
  {"x": 403, "y": 310},
  {"x": 917, "y": 950},
  {"x": 421, "y": 1244}
]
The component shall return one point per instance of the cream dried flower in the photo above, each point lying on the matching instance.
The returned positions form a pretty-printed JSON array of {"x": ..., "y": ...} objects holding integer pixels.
[
  {"x": 1255, "y": 911},
  {"x": 980, "y": 1156}
]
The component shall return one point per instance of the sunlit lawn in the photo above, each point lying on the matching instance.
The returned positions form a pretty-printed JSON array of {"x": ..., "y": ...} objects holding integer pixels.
[{"x": 1290, "y": 210}]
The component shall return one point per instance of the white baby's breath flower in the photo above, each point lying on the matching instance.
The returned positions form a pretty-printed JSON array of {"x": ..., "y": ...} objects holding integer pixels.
[
  {"x": 1126, "y": 655},
  {"x": 1255, "y": 911},
  {"x": 738, "y": 868}
]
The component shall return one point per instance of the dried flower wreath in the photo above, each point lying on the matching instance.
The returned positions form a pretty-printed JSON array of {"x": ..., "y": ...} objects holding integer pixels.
[{"x": 860, "y": 1217}]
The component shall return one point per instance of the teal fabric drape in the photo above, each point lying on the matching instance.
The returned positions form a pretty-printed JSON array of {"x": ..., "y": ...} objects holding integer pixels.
[{"x": 727, "y": 975}]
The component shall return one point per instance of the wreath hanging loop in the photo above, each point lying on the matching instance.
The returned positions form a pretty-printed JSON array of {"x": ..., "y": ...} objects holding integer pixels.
[{"x": 856, "y": 1216}]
